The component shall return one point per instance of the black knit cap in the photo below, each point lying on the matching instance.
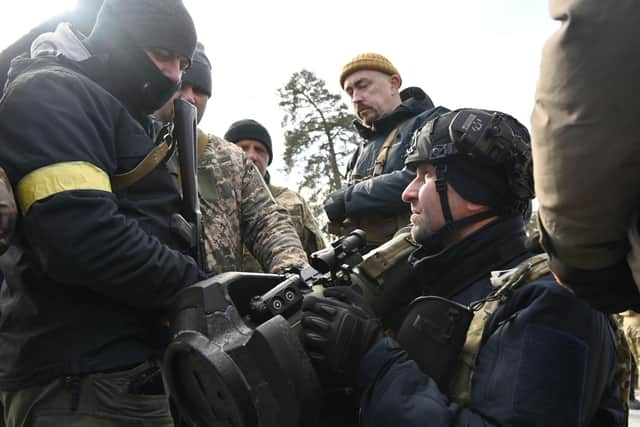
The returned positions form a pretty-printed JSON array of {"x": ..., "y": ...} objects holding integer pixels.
[
  {"x": 199, "y": 74},
  {"x": 163, "y": 24},
  {"x": 249, "y": 129},
  {"x": 480, "y": 183}
]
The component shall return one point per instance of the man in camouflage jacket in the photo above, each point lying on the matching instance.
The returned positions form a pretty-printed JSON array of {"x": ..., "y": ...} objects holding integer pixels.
[
  {"x": 255, "y": 140},
  {"x": 237, "y": 208},
  {"x": 300, "y": 213}
]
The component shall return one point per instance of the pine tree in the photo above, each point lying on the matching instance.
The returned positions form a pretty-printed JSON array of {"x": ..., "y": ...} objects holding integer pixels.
[{"x": 319, "y": 136}]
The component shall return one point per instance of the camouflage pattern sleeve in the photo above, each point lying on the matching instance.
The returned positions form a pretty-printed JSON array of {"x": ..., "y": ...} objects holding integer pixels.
[
  {"x": 268, "y": 231},
  {"x": 220, "y": 177},
  {"x": 237, "y": 209},
  {"x": 313, "y": 238},
  {"x": 306, "y": 225},
  {"x": 250, "y": 263}
]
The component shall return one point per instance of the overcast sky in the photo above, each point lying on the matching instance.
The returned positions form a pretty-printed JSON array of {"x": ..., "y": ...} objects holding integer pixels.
[{"x": 463, "y": 53}]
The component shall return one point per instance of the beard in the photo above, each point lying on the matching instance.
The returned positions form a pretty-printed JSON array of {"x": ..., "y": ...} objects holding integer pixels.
[
  {"x": 421, "y": 234},
  {"x": 430, "y": 240},
  {"x": 366, "y": 114}
]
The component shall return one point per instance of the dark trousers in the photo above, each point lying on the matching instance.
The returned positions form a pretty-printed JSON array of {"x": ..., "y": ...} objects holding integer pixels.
[{"x": 122, "y": 398}]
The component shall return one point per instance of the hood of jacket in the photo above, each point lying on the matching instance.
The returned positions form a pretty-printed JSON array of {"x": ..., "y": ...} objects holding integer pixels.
[
  {"x": 414, "y": 102},
  {"x": 63, "y": 41},
  {"x": 67, "y": 48}
]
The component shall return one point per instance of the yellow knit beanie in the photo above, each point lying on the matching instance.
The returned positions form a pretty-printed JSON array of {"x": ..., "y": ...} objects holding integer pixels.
[{"x": 368, "y": 61}]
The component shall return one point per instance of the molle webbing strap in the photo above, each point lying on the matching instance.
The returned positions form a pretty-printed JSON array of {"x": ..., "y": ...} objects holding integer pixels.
[
  {"x": 504, "y": 282},
  {"x": 385, "y": 256},
  {"x": 384, "y": 151}
]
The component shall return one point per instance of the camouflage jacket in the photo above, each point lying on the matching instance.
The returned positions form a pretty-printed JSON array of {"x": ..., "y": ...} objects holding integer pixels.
[
  {"x": 237, "y": 209},
  {"x": 305, "y": 223}
]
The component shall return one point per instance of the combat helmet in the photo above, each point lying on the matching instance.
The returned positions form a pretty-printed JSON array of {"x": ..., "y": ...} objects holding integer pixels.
[{"x": 484, "y": 155}]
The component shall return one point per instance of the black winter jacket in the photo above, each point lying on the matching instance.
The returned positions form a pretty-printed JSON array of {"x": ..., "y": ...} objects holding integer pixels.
[
  {"x": 547, "y": 359},
  {"x": 382, "y": 194},
  {"x": 90, "y": 271}
]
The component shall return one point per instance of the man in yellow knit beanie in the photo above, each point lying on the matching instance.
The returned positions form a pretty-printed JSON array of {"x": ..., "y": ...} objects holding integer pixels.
[{"x": 386, "y": 120}]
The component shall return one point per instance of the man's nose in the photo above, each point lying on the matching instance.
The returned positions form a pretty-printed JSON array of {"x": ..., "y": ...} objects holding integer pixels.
[
  {"x": 172, "y": 71},
  {"x": 251, "y": 154},
  {"x": 410, "y": 193}
]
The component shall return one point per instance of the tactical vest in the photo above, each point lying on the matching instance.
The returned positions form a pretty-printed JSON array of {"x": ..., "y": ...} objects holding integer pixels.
[
  {"x": 386, "y": 277},
  {"x": 384, "y": 292},
  {"x": 506, "y": 281},
  {"x": 379, "y": 228},
  {"x": 381, "y": 158}
]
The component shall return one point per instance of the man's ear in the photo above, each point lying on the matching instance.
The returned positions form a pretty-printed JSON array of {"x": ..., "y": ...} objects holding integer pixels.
[
  {"x": 475, "y": 208},
  {"x": 395, "y": 83}
]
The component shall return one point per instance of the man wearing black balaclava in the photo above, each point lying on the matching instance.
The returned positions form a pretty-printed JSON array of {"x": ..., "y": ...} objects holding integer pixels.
[{"x": 94, "y": 263}]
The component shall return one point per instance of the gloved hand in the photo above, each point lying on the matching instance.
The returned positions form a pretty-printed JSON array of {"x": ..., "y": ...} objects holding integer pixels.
[
  {"x": 8, "y": 211},
  {"x": 336, "y": 207},
  {"x": 337, "y": 331}
]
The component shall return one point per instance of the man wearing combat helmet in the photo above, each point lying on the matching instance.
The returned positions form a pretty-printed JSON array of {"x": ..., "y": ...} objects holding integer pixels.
[{"x": 496, "y": 341}]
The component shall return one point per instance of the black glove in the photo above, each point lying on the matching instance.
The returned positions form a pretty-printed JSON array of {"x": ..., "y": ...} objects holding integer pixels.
[
  {"x": 336, "y": 207},
  {"x": 337, "y": 331}
]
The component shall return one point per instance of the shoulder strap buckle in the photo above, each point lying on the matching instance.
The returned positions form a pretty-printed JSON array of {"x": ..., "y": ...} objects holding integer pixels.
[{"x": 506, "y": 281}]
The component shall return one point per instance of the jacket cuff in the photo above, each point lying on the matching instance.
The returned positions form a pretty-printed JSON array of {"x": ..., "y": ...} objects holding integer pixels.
[
  {"x": 377, "y": 361},
  {"x": 611, "y": 289}
]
